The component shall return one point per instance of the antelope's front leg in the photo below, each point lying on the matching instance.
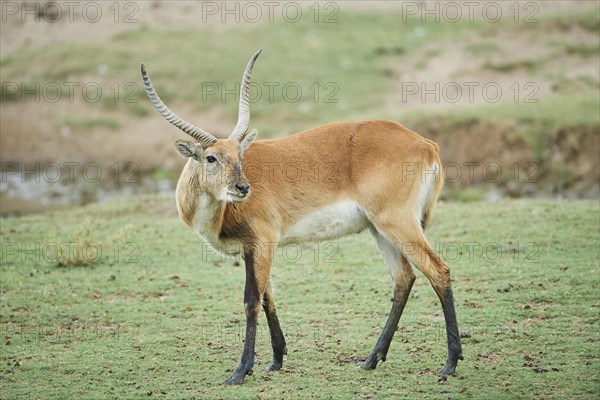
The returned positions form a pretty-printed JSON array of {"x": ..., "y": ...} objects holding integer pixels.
[
  {"x": 277, "y": 338},
  {"x": 258, "y": 266}
]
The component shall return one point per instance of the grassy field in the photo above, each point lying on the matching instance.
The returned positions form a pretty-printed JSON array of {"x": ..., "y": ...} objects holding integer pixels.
[
  {"x": 155, "y": 315},
  {"x": 121, "y": 300}
]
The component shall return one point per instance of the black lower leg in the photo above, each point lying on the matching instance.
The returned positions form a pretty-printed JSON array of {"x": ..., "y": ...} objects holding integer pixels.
[
  {"x": 277, "y": 340},
  {"x": 247, "y": 362},
  {"x": 454, "y": 346},
  {"x": 383, "y": 344},
  {"x": 252, "y": 305}
]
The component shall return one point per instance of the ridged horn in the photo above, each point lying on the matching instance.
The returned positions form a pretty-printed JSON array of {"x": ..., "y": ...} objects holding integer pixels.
[
  {"x": 244, "y": 114},
  {"x": 204, "y": 138}
]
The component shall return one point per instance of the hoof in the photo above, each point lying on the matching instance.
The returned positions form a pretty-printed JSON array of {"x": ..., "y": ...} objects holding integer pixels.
[
  {"x": 454, "y": 354},
  {"x": 372, "y": 361},
  {"x": 237, "y": 378},
  {"x": 450, "y": 367},
  {"x": 234, "y": 380},
  {"x": 273, "y": 367},
  {"x": 447, "y": 371},
  {"x": 367, "y": 365}
]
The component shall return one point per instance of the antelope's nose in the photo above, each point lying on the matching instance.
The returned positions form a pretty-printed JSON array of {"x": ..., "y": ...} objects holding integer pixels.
[{"x": 242, "y": 188}]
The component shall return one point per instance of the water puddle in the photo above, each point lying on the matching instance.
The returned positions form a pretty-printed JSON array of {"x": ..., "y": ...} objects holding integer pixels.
[{"x": 34, "y": 191}]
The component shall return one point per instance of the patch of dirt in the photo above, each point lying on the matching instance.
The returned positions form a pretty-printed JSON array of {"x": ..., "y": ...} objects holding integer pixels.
[
  {"x": 32, "y": 132},
  {"x": 569, "y": 160},
  {"x": 524, "y": 63},
  {"x": 353, "y": 359},
  {"x": 574, "y": 149},
  {"x": 487, "y": 143}
]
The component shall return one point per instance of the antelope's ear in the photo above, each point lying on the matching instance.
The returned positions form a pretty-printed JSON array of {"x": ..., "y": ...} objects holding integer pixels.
[
  {"x": 187, "y": 149},
  {"x": 248, "y": 139}
]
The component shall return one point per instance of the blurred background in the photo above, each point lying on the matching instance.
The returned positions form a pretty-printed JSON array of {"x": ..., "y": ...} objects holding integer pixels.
[{"x": 509, "y": 90}]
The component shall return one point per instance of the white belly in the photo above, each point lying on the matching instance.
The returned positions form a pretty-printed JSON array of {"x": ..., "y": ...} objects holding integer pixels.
[{"x": 330, "y": 222}]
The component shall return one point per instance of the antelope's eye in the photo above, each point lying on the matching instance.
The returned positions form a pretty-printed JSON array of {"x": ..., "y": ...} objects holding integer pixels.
[{"x": 210, "y": 159}]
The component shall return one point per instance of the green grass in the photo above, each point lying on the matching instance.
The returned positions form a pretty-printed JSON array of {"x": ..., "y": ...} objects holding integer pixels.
[
  {"x": 483, "y": 48},
  {"x": 87, "y": 123},
  {"x": 157, "y": 317},
  {"x": 588, "y": 20},
  {"x": 564, "y": 109},
  {"x": 582, "y": 50}
]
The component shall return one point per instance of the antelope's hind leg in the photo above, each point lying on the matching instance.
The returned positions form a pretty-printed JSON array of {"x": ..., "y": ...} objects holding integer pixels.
[
  {"x": 411, "y": 240},
  {"x": 403, "y": 279}
]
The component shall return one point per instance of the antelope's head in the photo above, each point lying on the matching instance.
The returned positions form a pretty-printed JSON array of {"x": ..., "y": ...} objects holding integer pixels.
[{"x": 217, "y": 162}]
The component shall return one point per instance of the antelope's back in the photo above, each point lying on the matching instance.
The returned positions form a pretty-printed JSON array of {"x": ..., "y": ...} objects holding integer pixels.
[{"x": 370, "y": 162}]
